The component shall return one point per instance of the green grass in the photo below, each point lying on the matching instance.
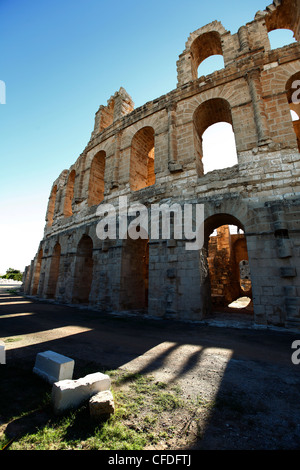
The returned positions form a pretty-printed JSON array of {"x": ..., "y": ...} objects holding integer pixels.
[{"x": 144, "y": 412}]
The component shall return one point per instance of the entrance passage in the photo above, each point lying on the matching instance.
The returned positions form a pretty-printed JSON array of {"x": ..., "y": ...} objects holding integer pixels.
[
  {"x": 229, "y": 273},
  {"x": 134, "y": 274},
  {"x": 54, "y": 271},
  {"x": 83, "y": 270}
]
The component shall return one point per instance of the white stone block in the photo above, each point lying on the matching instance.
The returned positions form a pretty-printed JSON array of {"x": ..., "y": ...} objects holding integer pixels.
[
  {"x": 2, "y": 353},
  {"x": 68, "y": 394},
  {"x": 53, "y": 367}
]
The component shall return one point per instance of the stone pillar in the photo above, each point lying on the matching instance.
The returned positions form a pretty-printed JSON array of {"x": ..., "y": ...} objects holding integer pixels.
[
  {"x": 172, "y": 139},
  {"x": 243, "y": 38},
  {"x": 115, "y": 177},
  {"x": 123, "y": 104},
  {"x": 253, "y": 79}
]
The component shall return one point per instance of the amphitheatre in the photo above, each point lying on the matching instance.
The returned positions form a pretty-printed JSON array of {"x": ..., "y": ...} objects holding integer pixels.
[{"x": 154, "y": 155}]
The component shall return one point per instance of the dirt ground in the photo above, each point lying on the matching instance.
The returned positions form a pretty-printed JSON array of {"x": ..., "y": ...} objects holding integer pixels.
[{"x": 225, "y": 360}]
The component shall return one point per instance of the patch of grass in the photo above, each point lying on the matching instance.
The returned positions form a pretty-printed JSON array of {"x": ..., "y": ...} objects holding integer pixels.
[
  {"x": 144, "y": 412},
  {"x": 13, "y": 339}
]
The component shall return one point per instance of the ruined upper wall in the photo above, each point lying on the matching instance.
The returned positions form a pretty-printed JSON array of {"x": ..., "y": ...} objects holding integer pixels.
[
  {"x": 250, "y": 93},
  {"x": 215, "y": 39}
]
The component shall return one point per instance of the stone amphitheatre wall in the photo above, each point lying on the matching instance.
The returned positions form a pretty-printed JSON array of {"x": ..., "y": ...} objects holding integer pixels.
[{"x": 154, "y": 154}]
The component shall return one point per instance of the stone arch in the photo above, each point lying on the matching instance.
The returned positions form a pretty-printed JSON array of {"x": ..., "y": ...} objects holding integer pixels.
[
  {"x": 51, "y": 206},
  {"x": 223, "y": 258},
  {"x": 69, "y": 194},
  {"x": 96, "y": 180},
  {"x": 280, "y": 37},
  {"x": 54, "y": 271},
  {"x": 210, "y": 112},
  {"x": 142, "y": 155},
  {"x": 218, "y": 220},
  {"x": 134, "y": 274},
  {"x": 37, "y": 272},
  {"x": 284, "y": 16},
  {"x": 203, "y": 47},
  {"x": 83, "y": 273},
  {"x": 209, "y": 40}
]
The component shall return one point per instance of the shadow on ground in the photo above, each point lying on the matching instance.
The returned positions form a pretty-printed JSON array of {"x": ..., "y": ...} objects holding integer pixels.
[{"x": 246, "y": 376}]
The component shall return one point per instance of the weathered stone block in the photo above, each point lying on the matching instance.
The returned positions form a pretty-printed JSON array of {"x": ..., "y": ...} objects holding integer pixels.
[
  {"x": 288, "y": 272},
  {"x": 53, "y": 367},
  {"x": 101, "y": 405},
  {"x": 67, "y": 394}
]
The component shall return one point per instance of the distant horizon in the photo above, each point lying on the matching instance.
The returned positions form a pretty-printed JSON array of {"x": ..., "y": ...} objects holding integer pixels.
[{"x": 60, "y": 62}]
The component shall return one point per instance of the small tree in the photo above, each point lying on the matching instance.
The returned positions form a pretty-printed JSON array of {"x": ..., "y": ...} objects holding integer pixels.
[{"x": 14, "y": 274}]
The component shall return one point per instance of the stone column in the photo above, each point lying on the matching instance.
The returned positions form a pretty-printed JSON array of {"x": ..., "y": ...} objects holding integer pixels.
[
  {"x": 243, "y": 38},
  {"x": 172, "y": 139},
  {"x": 115, "y": 178},
  {"x": 253, "y": 79}
]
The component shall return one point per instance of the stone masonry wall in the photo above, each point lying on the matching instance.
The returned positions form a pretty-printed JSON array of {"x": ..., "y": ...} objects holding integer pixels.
[{"x": 261, "y": 194}]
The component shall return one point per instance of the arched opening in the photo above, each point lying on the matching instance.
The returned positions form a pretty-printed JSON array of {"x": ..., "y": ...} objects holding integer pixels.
[
  {"x": 83, "y": 270},
  {"x": 69, "y": 194},
  {"x": 54, "y": 271},
  {"x": 280, "y": 38},
  {"x": 213, "y": 136},
  {"x": 211, "y": 65},
  {"x": 134, "y": 274},
  {"x": 96, "y": 182},
  {"x": 37, "y": 272},
  {"x": 228, "y": 266},
  {"x": 51, "y": 206},
  {"x": 219, "y": 150},
  {"x": 284, "y": 16},
  {"x": 142, "y": 172},
  {"x": 204, "y": 46},
  {"x": 293, "y": 97}
]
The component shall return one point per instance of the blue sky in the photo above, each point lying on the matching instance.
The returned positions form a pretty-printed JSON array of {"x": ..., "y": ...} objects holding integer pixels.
[{"x": 60, "y": 60}]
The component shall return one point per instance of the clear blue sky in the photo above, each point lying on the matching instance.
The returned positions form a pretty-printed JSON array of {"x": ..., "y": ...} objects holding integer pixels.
[{"x": 60, "y": 60}]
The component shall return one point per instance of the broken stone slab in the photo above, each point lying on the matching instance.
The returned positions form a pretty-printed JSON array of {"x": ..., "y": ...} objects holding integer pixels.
[
  {"x": 101, "y": 405},
  {"x": 53, "y": 367},
  {"x": 67, "y": 394},
  {"x": 2, "y": 353}
]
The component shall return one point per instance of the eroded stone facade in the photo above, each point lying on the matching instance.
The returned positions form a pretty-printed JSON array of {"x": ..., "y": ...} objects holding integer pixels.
[{"x": 153, "y": 154}]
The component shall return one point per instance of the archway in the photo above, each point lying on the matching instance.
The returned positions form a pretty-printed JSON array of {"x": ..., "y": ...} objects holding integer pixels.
[
  {"x": 69, "y": 194},
  {"x": 210, "y": 113},
  {"x": 142, "y": 156},
  {"x": 284, "y": 16},
  {"x": 228, "y": 266},
  {"x": 219, "y": 149},
  {"x": 96, "y": 182},
  {"x": 281, "y": 37},
  {"x": 54, "y": 271},
  {"x": 134, "y": 274},
  {"x": 204, "y": 46},
  {"x": 83, "y": 270}
]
